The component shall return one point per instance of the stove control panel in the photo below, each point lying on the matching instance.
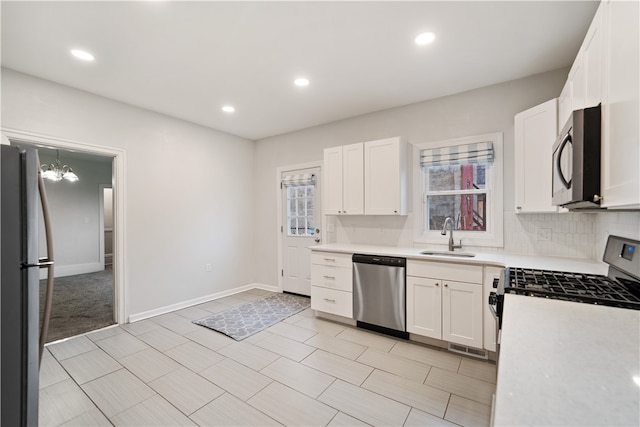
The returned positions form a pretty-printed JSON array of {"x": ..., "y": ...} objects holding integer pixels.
[
  {"x": 620, "y": 254},
  {"x": 628, "y": 251}
]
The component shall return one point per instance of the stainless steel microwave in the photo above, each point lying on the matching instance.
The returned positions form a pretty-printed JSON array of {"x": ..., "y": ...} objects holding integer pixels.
[{"x": 576, "y": 161}]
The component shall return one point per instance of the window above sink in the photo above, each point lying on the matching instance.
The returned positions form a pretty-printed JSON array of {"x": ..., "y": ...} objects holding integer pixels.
[{"x": 462, "y": 179}]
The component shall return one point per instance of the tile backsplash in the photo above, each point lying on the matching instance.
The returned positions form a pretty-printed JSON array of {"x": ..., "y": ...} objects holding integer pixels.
[
  {"x": 570, "y": 234},
  {"x": 559, "y": 234}
]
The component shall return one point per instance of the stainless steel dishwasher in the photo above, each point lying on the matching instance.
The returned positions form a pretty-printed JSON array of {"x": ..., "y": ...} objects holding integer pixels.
[{"x": 379, "y": 294}]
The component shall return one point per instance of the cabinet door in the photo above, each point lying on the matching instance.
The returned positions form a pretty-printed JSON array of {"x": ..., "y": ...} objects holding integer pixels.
[
  {"x": 353, "y": 179},
  {"x": 424, "y": 307},
  {"x": 332, "y": 190},
  {"x": 620, "y": 145},
  {"x": 593, "y": 60},
  {"x": 385, "y": 177},
  {"x": 535, "y": 133},
  {"x": 564, "y": 106},
  {"x": 577, "y": 80},
  {"x": 462, "y": 313}
]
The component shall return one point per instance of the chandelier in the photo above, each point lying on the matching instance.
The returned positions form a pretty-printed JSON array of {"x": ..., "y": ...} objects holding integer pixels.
[{"x": 55, "y": 172}]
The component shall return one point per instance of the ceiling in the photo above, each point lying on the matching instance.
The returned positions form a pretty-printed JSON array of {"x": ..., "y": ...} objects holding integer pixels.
[{"x": 188, "y": 59}]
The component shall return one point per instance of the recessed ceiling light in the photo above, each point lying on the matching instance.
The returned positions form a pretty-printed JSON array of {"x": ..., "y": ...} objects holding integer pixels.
[
  {"x": 425, "y": 38},
  {"x": 228, "y": 109},
  {"x": 81, "y": 54},
  {"x": 301, "y": 82}
]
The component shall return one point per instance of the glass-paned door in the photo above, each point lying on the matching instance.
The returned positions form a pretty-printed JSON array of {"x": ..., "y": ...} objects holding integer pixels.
[{"x": 301, "y": 219}]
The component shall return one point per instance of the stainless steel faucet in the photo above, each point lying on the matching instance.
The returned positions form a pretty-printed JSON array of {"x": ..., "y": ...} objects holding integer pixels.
[{"x": 452, "y": 246}]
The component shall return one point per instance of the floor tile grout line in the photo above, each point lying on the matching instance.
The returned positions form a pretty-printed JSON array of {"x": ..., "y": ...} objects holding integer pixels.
[
  {"x": 80, "y": 387},
  {"x": 315, "y": 349},
  {"x": 196, "y": 373}
]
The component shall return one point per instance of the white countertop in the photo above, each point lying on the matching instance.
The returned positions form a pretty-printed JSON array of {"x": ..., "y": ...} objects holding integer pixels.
[
  {"x": 560, "y": 363},
  {"x": 568, "y": 364},
  {"x": 493, "y": 259}
]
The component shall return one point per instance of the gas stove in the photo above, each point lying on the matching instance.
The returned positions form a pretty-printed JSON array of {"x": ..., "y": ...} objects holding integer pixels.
[
  {"x": 619, "y": 288},
  {"x": 576, "y": 287}
]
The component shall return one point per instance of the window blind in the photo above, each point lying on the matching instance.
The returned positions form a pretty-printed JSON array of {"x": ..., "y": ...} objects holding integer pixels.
[
  {"x": 299, "y": 179},
  {"x": 480, "y": 152}
]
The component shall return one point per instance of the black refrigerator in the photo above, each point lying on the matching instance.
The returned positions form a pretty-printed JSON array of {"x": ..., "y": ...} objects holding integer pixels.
[{"x": 19, "y": 296}]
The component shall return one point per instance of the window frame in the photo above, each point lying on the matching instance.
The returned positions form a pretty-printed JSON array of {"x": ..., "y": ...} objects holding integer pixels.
[
  {"x": 288, "y": 217},
  {"x": 493, "y": 237}
]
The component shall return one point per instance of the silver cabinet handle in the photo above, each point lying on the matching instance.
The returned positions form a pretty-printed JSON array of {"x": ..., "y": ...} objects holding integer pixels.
[
  {"x": 330, "y": 300},
  {"x": 330, "y": 277},
  {"x": 437, "y": 284},
  {"x": 330, "y": 259},
  {"x": 446, "y": 285}
]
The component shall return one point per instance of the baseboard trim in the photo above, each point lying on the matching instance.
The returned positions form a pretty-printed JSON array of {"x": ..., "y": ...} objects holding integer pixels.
[
  {"x": 72, "y": 270},
  {"x": 201, "y": 300}
]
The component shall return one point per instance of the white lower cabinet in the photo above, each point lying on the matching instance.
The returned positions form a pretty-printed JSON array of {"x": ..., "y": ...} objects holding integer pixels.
[
  {"x": 445, "y": 309},
  {"x": 332, "y": 283},
  {"x": 424, "y": 306},
  {"x": 462, "y": 313},
  {"x": 332, "y": 301}
]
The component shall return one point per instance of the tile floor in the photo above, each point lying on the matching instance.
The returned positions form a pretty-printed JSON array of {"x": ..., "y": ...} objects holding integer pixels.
[{"x": 166, "y": 371}]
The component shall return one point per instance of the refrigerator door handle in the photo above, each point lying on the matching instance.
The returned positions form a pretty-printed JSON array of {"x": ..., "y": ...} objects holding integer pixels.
[
  {"x": 42, "y": 263},
  {"x": 46, "y": 263}
]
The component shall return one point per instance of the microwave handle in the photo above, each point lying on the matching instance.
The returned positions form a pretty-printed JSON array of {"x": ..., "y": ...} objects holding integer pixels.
[{"x": 563, "y": 144}]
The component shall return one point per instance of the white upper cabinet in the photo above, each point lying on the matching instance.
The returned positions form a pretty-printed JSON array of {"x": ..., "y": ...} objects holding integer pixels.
[
  {"x": 344, "y": 180},
  {"x": 535, "y": 133},
  {"x": 353, "y": 179},
  {"x": 620, "y": 180},
  {"x": 332, "y": 185},
  {"x": 606, "y": 71},
  {"x": 585, "y": 76},
  {"x": 385, "y": 177},
  {"x": 592, "y": 58},
  {"x": 577, "y": 81},
  {"x": 564, "y": 106},
  {"x": 366, "y": 178}
]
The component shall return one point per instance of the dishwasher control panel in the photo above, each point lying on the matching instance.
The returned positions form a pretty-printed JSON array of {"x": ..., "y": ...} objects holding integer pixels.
[{"x": 380, "y": 260}]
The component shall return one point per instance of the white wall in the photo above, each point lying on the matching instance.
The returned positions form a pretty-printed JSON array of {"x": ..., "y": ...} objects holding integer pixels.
[
  {"x": 188, "y": 198},
  {"x": 480, "y": 111},
  {"x": 75, "y": 215}
]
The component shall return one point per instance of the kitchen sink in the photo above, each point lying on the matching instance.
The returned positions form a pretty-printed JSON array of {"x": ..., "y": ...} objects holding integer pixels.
[{"x": 452, "y": 254}]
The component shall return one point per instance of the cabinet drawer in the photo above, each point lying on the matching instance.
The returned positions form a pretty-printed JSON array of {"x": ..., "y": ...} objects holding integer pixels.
[
  {"x": 445, "y": 271},
  {"x": 332, "y": 277},
  {"x": 331, "y": 258},
  {"x": 332, "y": 301}
]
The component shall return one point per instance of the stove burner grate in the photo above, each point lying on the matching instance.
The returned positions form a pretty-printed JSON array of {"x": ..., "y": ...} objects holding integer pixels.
[{"x": 577, "y": 287}]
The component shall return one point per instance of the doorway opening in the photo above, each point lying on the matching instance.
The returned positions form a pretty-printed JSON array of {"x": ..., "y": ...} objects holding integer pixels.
[{"x": 86, "y": 218}]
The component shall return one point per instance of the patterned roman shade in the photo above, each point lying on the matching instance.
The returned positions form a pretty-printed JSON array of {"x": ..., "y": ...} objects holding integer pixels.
[
  {"x": 300, "y": 179},
  {"x": 481, "y": 152}
]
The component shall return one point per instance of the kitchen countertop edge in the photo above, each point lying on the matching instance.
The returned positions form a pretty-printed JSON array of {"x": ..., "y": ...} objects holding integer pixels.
[{"x": 496, "y": 259}]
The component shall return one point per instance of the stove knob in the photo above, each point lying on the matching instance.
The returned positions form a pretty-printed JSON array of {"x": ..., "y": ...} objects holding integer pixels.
[
  {"x": 493, "y": 298},
  {"x": 495, "y": 283}
]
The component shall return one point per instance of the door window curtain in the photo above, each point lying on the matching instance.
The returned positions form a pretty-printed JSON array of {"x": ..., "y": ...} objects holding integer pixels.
[
  {"x": 481, "y": 152},
  {"x": 299, "y": 179}
]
